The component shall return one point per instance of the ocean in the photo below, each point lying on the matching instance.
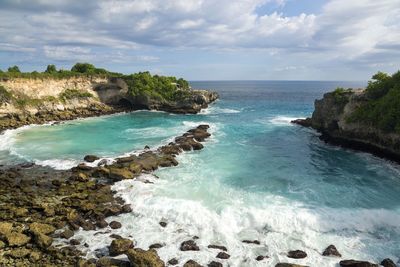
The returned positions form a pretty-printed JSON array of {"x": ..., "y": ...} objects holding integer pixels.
[{"x": 259, "y": 177}]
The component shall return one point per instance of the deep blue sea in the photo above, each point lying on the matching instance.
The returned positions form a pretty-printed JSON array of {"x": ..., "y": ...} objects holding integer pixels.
[{"x": 258, "y": 178}]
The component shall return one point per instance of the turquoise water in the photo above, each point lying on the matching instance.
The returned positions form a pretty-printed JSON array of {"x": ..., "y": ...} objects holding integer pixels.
[{"x": 259, "y": 177}]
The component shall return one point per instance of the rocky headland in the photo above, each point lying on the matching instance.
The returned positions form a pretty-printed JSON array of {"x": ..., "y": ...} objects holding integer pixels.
[{"x": 361, "y": 119}]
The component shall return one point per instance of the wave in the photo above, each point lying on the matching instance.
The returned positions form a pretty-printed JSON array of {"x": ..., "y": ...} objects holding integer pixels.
[
  {"x": 217, "y": 110},
  {"x": 283, "y": 120}
]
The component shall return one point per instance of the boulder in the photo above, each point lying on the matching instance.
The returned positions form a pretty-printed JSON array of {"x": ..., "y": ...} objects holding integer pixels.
[
  {"x": 261, "y": 257},
  {"x": 67, "y": 234},
  {"x": 15, "y": 239},
  {"x": 41, "y": 228},
  {"x": 297, "y": 254},
  {"x": 43, "y": 240},
  {"x": 218, "y": 247},
  {"x": 223, "y": 255},
  {"x": 142, "y": 258},
  {"x": 251, "y": 242},
  {"x": 120, "y": 246},
  {"x": 156, "y": 245},
  {"x": 388, "y": 263},
  {"x": 75, "y": 242},
  {"x": 289, "y": 265},
  {"x": 90, "y": 158},
  {"x": 115, "y": 225},
  {"x": 163, "y": 224},
  {"x": 120, "y": 174},
  {"x": 214, "y": 264},
  {"x": 107, "y": 262},
  {"x": 173, "y": 261},
  {"x": 331, "y": 251},
  {"x": 192, "y": 263},
  {"x": 354, "y": 263},
  {"x": 18, "y": 253},
  {"x": 189, "y": 245},
  {"x": 5, "y": 227}
]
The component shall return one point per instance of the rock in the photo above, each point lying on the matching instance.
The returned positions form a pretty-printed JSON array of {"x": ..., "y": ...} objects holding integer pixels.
[
  {"x": 214, "y": 264},
  {"x": 41, "y": 228},
  {"x": 2, "y": 244},
  {"x": 114, "y": 236},
  {"x": 126, "y": 208},
  {"x": 223, "y": 255},
  {"x": 163, "y": 224},
  {"x": 297, "y": 254},
  {"x": 388, "y": 263},
  {"x": 5, "y": 227},
  {"x": 218, "y": 247},
  {"x": 289, "y": 265},
  {"x": 67, "y": 234},
  {"x": 81, "y": 177},
  {"x": 156, "y": 245},
  {"x": 108, "y": 262},
  {"x": 189, "y": 245},
  {"x": 83, "y": 167},
  {"x": 142, "y": 258},
  {"x": 15, "y": 239},
  {"x": 331, "y": 251},
  {"x": 43, "y": 240},
  {"x": 101, "y": 223},
  {"x": 251, "y": 242},
  {"x": 120, "y": 246},
  {"x": 354, "y": 263},
  {"x": 19, "y": 253},
  {"x": 90, "y": 158},
  {"x": 261, "y": 257},
  {"x": 115, "y": 225},
  {"x": 120, "y": 174},
  {"x": 192, "y": 263},
  {"x": 173, "y": 261},
  {"x": 75, "y": 242}
]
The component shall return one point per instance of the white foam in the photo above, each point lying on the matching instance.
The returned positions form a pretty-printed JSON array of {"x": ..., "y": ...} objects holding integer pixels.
[
  {"x": 213, "y": 110},
  {"x": 282, "y": 120}
]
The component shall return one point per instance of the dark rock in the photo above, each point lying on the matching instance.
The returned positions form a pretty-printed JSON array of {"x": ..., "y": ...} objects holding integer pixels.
[
  {"x": 297, "y": 254},
  {"x": 115, "y": 225},
  {"x": 289, "y": 265},
  {"x": 67, "y": 234},
  {"x": 107, "y": 262},
  {"x": 101, "y": 223},
  {"x": 223, "y": 255},
  {"x": 214, "y": 264},
  {"x": 114, "y": 236},
  {"x": 354, "y": 263},
  {"x": 388, "y": 263},
  {"x": 189, "y": 245},
  {"x": 84, "y": 167},
  {"x": 163, "y": 224},
  {"x": 126, "y": 208},
  {"x": 173, "y": 261},
  {"x": 90, "y": 158},
  {"x": 75, "y": 242},
  {"x": 303, "y": 122},
  {"x": 331, "y": 251},
  {"x": 120, "y": 246},
  {"x": 218, "y": 247},
  {"x": 260, "y": 258},
  {"x": 192, "y": 263},
  {"x": 251, "y": 242},
  {"x": 156, "y": 245}
]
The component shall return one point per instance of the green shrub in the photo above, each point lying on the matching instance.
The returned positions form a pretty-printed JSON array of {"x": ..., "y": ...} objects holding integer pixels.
[
  {"x": 51, "y": 69},
  {"x": 5, "y": 96},
  {"x": 74, "y": 93},
  {"x": 14, "y": 69}
]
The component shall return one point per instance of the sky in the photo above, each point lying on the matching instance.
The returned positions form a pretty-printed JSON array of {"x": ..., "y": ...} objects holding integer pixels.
[{"x": 206, "y": 39}]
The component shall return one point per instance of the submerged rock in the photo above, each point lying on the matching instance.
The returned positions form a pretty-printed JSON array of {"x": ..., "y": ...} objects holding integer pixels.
[
  {"x": 218, "y": 247},
  {"x": 189, "y": 245},
  {"x": 251, "y": 242},
  {"x": 120, "y": 246},
  {"x": 223, "y": 255},
  {"x": 192, "y": 263},
  {"x": 354, "y": 263},
  {"x": 90, "y": 158},
  {"x": 297, "y": 254},
  {"x": 331, "y": 251},
  {"x": 173, "y": 261},
  {"x": 142, "y": 258}
]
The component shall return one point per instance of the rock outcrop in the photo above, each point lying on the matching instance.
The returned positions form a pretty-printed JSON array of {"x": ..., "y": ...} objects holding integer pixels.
[{"x": 331, "y": 119}]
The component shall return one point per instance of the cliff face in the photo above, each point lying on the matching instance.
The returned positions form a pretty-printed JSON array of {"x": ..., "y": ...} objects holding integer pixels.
[{"x": 331, "y": 119}]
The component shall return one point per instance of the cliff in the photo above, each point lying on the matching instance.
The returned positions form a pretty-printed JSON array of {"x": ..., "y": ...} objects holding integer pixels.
[
  {"x": 39, "y": 100},
  {"x": 337, "y": 118}
]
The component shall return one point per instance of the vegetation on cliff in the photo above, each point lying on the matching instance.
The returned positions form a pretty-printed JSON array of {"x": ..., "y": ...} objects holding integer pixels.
[
  {"x": 141, "y": 84},
  {"x": 382, "y": 106}
]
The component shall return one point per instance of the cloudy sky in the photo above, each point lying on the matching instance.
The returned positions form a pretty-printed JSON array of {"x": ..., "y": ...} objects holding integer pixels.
[{"x": 206, "y": 39}]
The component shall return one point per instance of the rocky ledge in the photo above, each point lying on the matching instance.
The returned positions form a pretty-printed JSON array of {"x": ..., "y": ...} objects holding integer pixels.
[
  {"x": 40, "y": 204},
  {"x": 332, "y": 118}
]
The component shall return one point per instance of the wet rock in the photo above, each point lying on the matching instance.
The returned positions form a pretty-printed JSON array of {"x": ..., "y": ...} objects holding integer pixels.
[
  {"x": 297, "y": 254},
  {"x": 115, "y": 225},
  {"x": 218, "y": 247},
  {"x": 214, "y": 264},
  {"x": 354, "y": 263},
  {"x": 2, "y": 244},
  {"x": 331, "y": 251},
  {"x": 15, "y": 239},
  {"x": 261, "y": 257},
  {"x": 5, "y": 227},
  {"x": 251, "y": 242},
  {"x": 388, "y": 263},
  {"x": 114, "y": 236},
  {"x": 75, "y": 242},
  {"x": 43, "y": 240},
  {"x": 119, "y": 174},
  {"x": 289, "y": 265},
  {"x": 83, "y": 167},
  {"x": 101, "y": 223},
  {"x": 156, "y": 245},
  {"x": 18, "y": 253},
  {"x": 90, "y": 158},
  {"x": 120, "y": 246},
  {"x": 143, "y": 258},
  {"x": 189, "y": 245},
  {"x": 126, "y": 208},
  {"x": 108, "y": 262},
  {"x": 223, "y": 255},
  {"x": 173, "y": 261},
  {"x": 192, "y": 263},
  {"x": 163, "y": 224}
]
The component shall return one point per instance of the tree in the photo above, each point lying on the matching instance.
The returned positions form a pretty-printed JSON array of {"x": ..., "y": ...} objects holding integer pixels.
[
  {"x": 83, "y": 68},
  {"x": 51, "y": 69},
  {"x": 14, "y": 69}
]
